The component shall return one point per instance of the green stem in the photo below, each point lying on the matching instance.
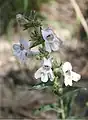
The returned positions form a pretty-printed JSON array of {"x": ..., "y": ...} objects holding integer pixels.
[{"x": 62, "y": 107}]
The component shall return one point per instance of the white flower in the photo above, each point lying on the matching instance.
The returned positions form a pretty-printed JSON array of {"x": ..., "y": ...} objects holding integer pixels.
[
  {"x": 45, "y": 72},
  {"x": 52, "y": 43},
  {"x": 69, "y": 75},
  {"x": 20, "y": 50}
]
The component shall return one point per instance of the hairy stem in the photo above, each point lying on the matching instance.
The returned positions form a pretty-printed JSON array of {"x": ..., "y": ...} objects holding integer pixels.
[{"x": 62, "y": 107}]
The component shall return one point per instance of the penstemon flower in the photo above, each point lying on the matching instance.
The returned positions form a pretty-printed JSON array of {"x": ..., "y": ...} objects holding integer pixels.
[
  {"x": 69, "y": 75},
  {"x": 45, "y": 72},
  {"x": 21, "y": 50},
  {"x": 52, "y": 42}
]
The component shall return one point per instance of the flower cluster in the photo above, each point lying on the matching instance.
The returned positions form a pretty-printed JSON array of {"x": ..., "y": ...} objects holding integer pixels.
[{"x": 22, "y": 51}]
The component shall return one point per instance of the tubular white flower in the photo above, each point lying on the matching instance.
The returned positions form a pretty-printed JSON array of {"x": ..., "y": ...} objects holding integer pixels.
[
  {"x": 47, "y": 62},
  {"x": 66, "y": 66},
  {"x": 20, "y": 50},
  {"x": 25, "y": 44},
  {"x": 52, "y": 43},
  {"x": 69, "y": 75},
  {"x": 45, "y": 72}
]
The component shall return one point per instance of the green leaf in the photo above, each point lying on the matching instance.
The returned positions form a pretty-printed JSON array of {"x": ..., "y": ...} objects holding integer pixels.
[
  {"x": 45, "y": 108},
  {"x": 41, "y": 86},
  {"x": 70, "y": 90},
  {"x": 34, "y": 21},
  {"x": 69, "y": 97}
]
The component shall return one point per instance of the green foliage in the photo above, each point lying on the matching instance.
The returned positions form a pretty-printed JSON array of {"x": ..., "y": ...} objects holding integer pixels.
[
  {"x": 33, "y": 21},
  {"x": 46, "y": 108},
  {"x": 34, "y": 26},
  {"x": 36, "y": 37},
  {"x": 42, "y": 54}
]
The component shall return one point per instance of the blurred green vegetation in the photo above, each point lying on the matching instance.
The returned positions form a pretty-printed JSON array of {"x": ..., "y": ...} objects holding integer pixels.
[{"x": 9, "y": 9}]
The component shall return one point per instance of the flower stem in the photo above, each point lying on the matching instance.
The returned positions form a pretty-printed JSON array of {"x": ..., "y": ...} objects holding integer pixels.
[{"x": 62, "y": 107}]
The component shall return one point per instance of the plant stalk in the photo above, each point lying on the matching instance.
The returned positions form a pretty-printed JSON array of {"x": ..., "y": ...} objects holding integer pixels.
[{"x": 62, "y": 107}]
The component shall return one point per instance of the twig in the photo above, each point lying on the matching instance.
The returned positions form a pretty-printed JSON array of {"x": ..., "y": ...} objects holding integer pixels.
[{"x": 80, "y": 15}]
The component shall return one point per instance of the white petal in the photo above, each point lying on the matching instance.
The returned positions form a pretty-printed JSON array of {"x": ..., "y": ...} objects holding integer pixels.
[
  {"x": 67, "y": 81},
  {"x": 16, "y": 47},
  {"x": 30, "y": 43},
  {"x": 47, "y": 46},
  {"x": 47, "y": 62},
  {"x": 16, "y": 50},
  {"x": 51, "y": 75},
  {"x": 46, "y": 32},
  {"x": 16, "y": 53},
  {"x": 75, "y": 76},
  {"x": 22, "y": 56},
  {"x": 66, "y": 66},
  {"x": 38, "y": 73},
  {"x": 56, "y": 44},
  {"x": 24, "y": 43},
  {"x": 44, "y": 77}
]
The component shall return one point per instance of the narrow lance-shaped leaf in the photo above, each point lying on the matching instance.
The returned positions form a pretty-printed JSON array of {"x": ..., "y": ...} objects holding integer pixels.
[{"x": 48, "y": 107}]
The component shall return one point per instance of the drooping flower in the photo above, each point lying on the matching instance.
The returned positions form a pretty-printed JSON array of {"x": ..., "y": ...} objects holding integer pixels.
[
  {"x": 45, "y": 72},
  {"x": 52, "y": 42},
  {"x": 69, "y": 75},
  {"x": 21, "y": 49}
]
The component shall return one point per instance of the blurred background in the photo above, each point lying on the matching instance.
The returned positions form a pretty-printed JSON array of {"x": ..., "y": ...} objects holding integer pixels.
[{"x": 15, "y": 99}]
